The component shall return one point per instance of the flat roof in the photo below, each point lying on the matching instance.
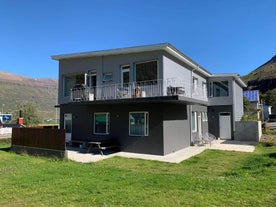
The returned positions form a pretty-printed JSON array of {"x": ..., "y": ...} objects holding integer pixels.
[{"x": 137, "y": 49}]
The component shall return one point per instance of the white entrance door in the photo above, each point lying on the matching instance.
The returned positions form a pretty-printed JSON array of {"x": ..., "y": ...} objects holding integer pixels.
[
  {"x": 68, "y": 127},
  {"x": 225, "y": 125}
]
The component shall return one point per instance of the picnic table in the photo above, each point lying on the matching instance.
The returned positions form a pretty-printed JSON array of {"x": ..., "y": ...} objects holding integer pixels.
[{"x": 102, "y": 145}]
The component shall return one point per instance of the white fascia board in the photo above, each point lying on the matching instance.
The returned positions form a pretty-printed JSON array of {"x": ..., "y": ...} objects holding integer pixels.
[
  {"x": 233, "y": 75},
  {"x": 118, "y": 51},
  {"x": 187, "y": 61}
]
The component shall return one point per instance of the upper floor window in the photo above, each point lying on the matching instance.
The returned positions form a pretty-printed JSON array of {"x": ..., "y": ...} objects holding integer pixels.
[
  {"x": 146, "y": 71},
  {"x": 195, "y": 83},
  {"x": 107, "y": 77},
  {"x": 204, "y": 90},
  {"x": 125, "y": 77},
  {"x": 219, "y": 88},
  {"x": 70, "y": 80}
]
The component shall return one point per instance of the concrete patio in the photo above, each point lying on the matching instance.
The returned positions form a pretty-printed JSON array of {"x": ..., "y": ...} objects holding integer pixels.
[{"x": 80, "y": 155}]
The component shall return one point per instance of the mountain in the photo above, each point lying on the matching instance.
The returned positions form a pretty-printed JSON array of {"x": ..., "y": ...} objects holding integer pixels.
[
  {"x": 264, "y": 79},
  {"x": 15, "y": 89}
]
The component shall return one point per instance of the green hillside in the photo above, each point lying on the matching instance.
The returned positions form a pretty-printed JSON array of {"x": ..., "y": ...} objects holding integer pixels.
[
  {"x": 41, "y": 92},
  {"x": 264, "y": 79}
]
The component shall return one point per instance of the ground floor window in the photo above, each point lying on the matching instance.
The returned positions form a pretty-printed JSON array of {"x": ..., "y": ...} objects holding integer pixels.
[
  {"x": 138, "y": 123},
  {"x": 204, "y": 117},
  {"x": 194, "y": 121},
  {"x": 101, "y": 123}
]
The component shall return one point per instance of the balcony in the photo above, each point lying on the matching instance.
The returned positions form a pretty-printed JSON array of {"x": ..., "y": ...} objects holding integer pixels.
[{"x": 154, "y": 88}]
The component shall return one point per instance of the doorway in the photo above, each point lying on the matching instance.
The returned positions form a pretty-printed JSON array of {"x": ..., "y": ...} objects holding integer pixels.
[
  {"x": 225, "y": 125},
  {"x": 68, "y": 127}
]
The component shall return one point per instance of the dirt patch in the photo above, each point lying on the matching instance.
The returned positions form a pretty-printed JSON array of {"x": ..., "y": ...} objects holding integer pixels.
[{"x": 268, "y": 137}]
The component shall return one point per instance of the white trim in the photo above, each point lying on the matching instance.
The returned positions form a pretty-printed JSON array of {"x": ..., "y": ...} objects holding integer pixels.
[
  {"x": 195, "y": 116},
  {"x": 190, "y": 63},
  {"x": 122, "y": 71}
]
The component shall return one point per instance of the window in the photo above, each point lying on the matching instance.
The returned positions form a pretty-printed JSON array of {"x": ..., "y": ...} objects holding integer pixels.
[
  {"x": 194, "y": 121},
  {"x": 195, "y": 83},
  {"x": 107, "y": 77},
  {"x": 146, "y": 71},
  {"x": 92, "y": 78},
  {"x": 138, "y": 123},
  {"x": 125, "y": 75},
  {"x": 219, "y": 88},
  {"x": 69, "y": 81},
  {"x": 204, "y": 90},
  {"x": 101, "y": 123},
  {"x": 204, "y": 117}
]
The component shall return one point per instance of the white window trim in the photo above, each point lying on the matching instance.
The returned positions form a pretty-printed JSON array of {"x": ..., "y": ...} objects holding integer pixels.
[
  {"x": 124, "y": 69},
  {"x": 146, "y": 127},
  {"x": 204, "y": 117},
  {"x": 195, "y": 119},
  {"x": 108, "y": 77},
  {"x": 107, "y": 123}
]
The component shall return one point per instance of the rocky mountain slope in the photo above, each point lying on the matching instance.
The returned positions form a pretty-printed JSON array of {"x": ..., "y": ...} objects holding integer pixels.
[
  {"x": 264, "y": 79},
  {"x": 15, "y": 89}
]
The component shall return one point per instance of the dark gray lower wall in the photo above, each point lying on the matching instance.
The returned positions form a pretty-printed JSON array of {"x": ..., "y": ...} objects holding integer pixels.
[
  {"x": 213, "y": 118},
  {"x": 248, "y": 131},
  {"x": 204, "y": 125},
  {"x": 169, "y": 128},
  {"x": 176, "y": 128}
]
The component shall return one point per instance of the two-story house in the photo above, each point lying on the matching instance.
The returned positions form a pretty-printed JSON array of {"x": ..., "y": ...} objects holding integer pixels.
[{"x": 152, "y": 99}]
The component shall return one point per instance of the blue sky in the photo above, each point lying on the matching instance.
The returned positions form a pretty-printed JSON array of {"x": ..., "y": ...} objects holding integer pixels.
[{"x": 223, "y": 36}]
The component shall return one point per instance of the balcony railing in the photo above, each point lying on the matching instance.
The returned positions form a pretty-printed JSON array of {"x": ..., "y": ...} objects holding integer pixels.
[{"x": 154, "y": 88}]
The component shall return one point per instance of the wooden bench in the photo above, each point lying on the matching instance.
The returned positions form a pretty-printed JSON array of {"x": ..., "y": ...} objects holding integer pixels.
[
  {"x": 77, "y": 142},
  {"x": 102, "y": 145}
]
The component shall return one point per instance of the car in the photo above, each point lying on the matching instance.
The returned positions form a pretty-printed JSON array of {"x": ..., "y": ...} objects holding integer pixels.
[{"x": 271, "y": 122}]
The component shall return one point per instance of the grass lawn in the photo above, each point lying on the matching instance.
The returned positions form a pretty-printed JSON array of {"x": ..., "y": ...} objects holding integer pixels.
[{"x": 213, "y": 178}]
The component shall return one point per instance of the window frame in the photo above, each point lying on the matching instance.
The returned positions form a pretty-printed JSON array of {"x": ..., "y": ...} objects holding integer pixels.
[
  {"x": 146, "y": 124},
  {"x": 107, "y": 123},
  {"x": 125, "y": 69},
  {"x": 204, "y": 116},
  {"x": 194, "y": 121},
  {"x": 142, "y": 62},
  {"x": 215, "y": 83},
  {"x": 108, "y": 77}
]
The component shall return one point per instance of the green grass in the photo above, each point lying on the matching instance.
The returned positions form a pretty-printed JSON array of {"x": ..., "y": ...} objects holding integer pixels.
[{"x": 213, "y": 178}]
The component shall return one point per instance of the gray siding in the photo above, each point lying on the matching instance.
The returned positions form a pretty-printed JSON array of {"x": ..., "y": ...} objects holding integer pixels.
[
  {"x": 176, "y": 128},
  {"x": 238, "y": 102},
  {"x": 175, "y": 69},
  {"x": 213, "y": 118},
  {"x": 161, "y": 140},
  {"x": 105, "y": 64},
  {"x": 224, "y": 100}
]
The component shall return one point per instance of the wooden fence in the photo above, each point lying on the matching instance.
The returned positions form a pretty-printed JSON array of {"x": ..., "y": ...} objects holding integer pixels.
[{"x": 53, "y": 139}]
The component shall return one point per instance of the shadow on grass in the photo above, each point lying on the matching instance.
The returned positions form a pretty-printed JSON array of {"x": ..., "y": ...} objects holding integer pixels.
[{"x": 5, "y": 149}]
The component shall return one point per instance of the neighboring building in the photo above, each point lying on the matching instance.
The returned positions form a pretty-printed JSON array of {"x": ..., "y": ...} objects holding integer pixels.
[
  {"x": 152, "y": 99},
  {"x": 255, "y": 109}
]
